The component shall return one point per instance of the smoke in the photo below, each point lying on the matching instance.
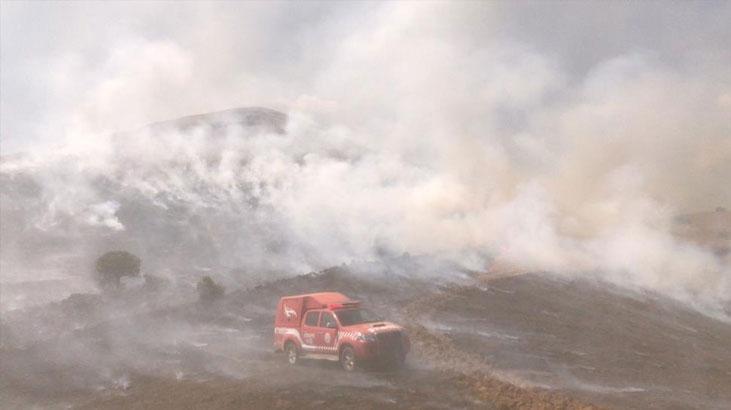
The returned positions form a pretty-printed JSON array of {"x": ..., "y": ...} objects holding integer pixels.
[{"x": 474, "y": 132}]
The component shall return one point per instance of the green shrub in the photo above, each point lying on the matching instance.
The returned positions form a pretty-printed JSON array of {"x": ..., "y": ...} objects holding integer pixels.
[{"x": 112, "y": 266}]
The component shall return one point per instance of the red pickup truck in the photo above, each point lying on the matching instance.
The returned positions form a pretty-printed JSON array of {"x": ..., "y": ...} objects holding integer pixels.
[{"x": 331, "y": 326}]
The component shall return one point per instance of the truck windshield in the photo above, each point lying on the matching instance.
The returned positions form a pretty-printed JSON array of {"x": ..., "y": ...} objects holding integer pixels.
[{"x": 350, "y": 317}]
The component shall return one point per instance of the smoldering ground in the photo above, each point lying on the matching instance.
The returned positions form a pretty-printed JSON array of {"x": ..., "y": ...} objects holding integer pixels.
[
  {"x": 476, "y": 134},
  {"x": 509, "y": 145},
  {"x": 515, "y": 341}
]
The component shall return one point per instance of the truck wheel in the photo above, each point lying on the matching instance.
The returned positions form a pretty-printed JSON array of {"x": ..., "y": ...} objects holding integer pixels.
[
  {"x": 347, "y": 359},
  {"x": 292, "y": 354},
  {"x": 400, "y": 360}
]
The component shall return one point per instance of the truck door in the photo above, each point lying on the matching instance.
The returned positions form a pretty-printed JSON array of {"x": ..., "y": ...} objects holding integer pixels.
[
  {"x": 327, "y": 333},
  {"x": 310, "y": 330}
]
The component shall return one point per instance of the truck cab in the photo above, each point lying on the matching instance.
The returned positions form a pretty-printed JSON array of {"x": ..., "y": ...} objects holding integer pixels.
[{"x": 331, "y": 326}]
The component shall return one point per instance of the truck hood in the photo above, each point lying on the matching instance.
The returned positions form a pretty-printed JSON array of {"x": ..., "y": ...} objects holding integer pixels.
[{"x": 375, "y": 327}]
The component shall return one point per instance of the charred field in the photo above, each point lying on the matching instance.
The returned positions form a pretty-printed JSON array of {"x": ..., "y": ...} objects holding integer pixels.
[
  {"x": 481, "y": 341},
  {"x": 537, "y": 193},
  {"x": 650, "y": 331}
]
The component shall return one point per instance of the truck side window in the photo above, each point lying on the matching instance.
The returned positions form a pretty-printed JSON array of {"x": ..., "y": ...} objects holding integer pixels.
[
  {"x": 328, "y": 320},
  {"x": 311, "y": 318}
]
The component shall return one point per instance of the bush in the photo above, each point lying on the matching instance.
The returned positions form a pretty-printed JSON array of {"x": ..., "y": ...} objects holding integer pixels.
[
  {"x": 208, "y": 290},
  {"x": 112, "y": 266}
]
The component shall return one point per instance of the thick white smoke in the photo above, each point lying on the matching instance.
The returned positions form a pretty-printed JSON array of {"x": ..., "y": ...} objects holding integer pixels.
[{"x": 429, "y": 128}]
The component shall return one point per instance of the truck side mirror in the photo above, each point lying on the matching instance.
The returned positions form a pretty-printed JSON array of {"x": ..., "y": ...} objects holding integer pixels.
[{"x": 331, "y": 325}]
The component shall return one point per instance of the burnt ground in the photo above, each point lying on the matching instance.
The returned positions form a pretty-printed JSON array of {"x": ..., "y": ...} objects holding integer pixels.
[
  {"x": 526, "y": 341},
  {"x": 591, "y": 340}
]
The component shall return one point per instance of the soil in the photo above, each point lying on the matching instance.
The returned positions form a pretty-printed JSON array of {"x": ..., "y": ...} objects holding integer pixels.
[{"x": 528, "y": 341}]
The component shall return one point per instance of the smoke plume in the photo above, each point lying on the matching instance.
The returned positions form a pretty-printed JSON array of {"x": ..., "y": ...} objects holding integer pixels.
[{"x": 544, "y": 137}]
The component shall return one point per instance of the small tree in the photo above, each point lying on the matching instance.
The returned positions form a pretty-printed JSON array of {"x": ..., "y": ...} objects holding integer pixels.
[
  {"x": 112, "y": 266},
  {"x": 208, "y": 290}
]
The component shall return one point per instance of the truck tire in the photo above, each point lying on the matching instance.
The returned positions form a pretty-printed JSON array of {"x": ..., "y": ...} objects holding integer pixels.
[
  {"x": 347, "y": 359},
  {"x": 293, "y": 355},
  {"x": 399, "y": 357},
  {"x": 399, "y": 360}
]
